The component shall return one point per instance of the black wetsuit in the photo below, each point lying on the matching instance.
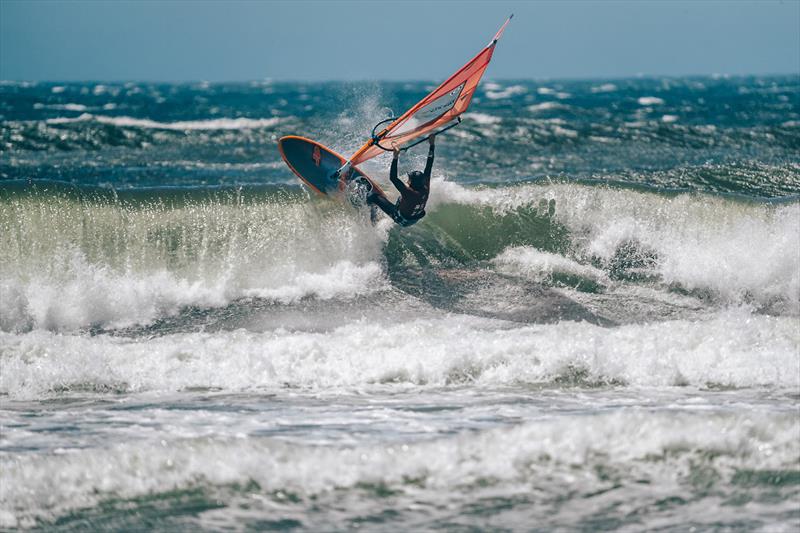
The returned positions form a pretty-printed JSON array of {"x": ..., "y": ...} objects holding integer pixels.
[{"x": 410, "y": 206}]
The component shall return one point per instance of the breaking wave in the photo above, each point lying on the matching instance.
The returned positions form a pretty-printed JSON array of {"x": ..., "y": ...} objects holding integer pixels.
[
  {"x": 630, "y": 458},
  {"x": 74, "y": 258},
  {"x": 730, "y": 349}
]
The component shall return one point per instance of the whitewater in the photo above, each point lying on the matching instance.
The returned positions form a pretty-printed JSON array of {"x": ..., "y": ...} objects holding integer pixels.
[{"x": 595, "y": 326}]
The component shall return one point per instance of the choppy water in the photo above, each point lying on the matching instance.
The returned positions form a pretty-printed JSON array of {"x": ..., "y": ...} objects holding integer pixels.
[{"x": 189, "y": 339}]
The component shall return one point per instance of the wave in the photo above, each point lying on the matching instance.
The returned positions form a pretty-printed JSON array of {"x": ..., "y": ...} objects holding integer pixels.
[
  {"x": 728, "y": 349},
  {"x": 650, "y": 100},
  {"x": 483, "y": 119},
  {"x": 208, "y": 124},
  {"x": 73, "y": 136},
  {"x": 604, "y": 88},
  {"x": 62, "y": 107},
  {"x": 634, "y": 459},
  {"x": 133, "y": 257},
  {"x": 73, "y": 259},
  {"x": 508, "y": 92},
  {"x": 547, "y": 106},
  {"x": 735, "y": 249}
]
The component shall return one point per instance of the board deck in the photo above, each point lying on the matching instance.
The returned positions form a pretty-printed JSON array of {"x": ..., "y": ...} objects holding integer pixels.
[{"x": 315, "y": 164}]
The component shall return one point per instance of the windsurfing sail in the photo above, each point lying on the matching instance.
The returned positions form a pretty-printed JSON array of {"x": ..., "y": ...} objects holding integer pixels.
[{"x": 438, "y": 109}]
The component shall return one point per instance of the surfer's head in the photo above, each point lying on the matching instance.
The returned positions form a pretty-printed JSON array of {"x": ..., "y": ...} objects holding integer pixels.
[{"x": 416, "y": 179}]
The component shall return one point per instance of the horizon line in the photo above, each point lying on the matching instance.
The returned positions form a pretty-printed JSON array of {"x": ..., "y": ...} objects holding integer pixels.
[{"x": 640, "y": 76}]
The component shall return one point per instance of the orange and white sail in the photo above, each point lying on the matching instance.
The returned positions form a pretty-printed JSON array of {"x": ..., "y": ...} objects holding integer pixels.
[{"x": 438, "y": 109}]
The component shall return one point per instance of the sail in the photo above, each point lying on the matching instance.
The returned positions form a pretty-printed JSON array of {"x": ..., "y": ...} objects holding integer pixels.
[{"x": 439, "y": 108}]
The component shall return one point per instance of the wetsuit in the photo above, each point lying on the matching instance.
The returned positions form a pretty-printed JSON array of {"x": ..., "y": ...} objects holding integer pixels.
[{"x": 410, "y": 206}]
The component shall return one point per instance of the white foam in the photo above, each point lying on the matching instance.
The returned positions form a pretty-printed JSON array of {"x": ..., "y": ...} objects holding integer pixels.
[
  {"x": 68, "y": 120},
  {"x": 650, "y": 455},
  {"x": 669, "y": 118},
  {"x": 507, "y": 92},
  {"x": 731, "y": 348},
  {"x": 546, "y": 106},
  {"x": 58, "y": 89},
  {"x": 210, "y": 124},
  {"x": 62, "y": 107},
  {"x": 604, "y": 88},
  {"x": 564, "y": 132},
  {"x": 483, "y": 119},
  {"x": 462, "y": 134},
  {"x": 650, "y": 100},
  {"x": 540, "y": 266},
  {"x": 343, "y": 279},
  {"x": 604, "y": 140}
]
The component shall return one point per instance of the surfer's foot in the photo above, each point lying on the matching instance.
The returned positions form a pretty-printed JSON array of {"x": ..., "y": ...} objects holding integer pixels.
[{"x": 551, "y": 207}]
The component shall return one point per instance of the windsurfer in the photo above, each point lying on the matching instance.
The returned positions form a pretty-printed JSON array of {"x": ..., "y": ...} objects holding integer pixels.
[{"x": 410, "y": 205}]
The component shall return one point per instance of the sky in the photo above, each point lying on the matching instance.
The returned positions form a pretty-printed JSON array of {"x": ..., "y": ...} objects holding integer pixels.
[{"x": 390, "y": 40}]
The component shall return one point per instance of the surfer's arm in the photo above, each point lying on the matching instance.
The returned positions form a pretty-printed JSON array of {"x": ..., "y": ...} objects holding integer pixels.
[
  {"x": 399, "y": 185},
  {"x": 429, "y": 162}
]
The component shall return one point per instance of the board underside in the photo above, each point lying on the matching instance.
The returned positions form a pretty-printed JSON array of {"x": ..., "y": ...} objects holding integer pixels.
[{"x": 315, "y": 165}]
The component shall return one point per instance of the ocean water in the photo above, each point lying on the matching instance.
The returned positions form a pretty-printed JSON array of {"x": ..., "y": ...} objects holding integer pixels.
[{"x": 597, "y": 326}]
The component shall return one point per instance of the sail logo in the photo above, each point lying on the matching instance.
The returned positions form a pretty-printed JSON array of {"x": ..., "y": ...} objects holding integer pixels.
[
  {"x": 441, "y": 104},
  {"x": 430, "y": 112}
]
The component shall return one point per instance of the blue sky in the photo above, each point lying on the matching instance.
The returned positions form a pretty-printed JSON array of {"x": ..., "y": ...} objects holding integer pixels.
[{"x": 367, "y": 40}]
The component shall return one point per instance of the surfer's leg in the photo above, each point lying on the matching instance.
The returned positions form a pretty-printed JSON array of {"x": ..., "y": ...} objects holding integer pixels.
[
  {"x": 382, "y": 202},
  {"x": 388, "y": 208}
]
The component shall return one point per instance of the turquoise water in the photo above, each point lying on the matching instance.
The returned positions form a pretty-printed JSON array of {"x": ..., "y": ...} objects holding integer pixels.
[{"x": 595, "y": 327}]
